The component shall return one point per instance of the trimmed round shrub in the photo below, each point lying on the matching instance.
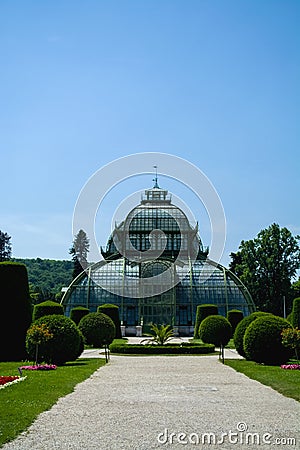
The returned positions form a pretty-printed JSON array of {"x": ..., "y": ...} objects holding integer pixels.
[
  {"x": 16, "y": 310},
  {"x": 46, "y": 309},
  {"x": 78, "y": 313},
  {"x": 263, "y": 341},
  {"x": 65, "y": 344},
  {"x": 215, "y": 330},
  {"x": 240, "y": 330},
  {"x": 235, "y": 316},
  {"x": 112, "y": 311},
  {"x": 98, "y": 329},
  {"x": 202, "y": 312},
  {"x": 296, "y": 313}
]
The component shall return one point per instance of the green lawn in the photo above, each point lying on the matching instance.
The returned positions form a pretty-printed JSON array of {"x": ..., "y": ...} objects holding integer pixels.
[
  {"x": 286, "y": 382},
  {"x": 230, "y": 344},
  {"x": 22, "y": 402}
]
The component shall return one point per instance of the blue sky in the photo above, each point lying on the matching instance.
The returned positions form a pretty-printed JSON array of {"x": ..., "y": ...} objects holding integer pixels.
[{"x": 84, "y": 83}]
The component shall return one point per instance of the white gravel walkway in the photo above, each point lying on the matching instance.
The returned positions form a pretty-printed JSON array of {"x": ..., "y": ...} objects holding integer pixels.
[{"x": 132, "y": 401}]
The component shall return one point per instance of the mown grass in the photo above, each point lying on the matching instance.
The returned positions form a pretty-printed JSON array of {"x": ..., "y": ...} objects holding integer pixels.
[
  {"x": 286, "y": 382},
  {"x": 230, "y": 344},
  {"x": 21, "y": 403}
]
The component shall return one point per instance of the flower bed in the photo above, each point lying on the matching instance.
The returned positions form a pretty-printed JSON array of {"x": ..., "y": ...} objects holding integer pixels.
[
  {"x": 39, "y": 367},
  {"x": 290, "y": 366},
  {"x": 9, "y": 380}
]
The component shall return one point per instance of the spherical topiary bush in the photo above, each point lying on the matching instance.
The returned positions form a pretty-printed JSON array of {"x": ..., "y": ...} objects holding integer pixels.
[
  {"x": 78, "y": 313},
  {"x": 215, "y": 330},
  {"x": 235, "y": 316},
  {"x": 64, "y": 345},
  {"x": 263, "y": 340},
  {"x": 98, "y": 329},
  {"x": 240, "y": 330}
]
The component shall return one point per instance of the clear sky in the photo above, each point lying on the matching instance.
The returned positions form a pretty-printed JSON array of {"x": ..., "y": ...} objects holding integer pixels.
[{"x": 85, "y": 82}]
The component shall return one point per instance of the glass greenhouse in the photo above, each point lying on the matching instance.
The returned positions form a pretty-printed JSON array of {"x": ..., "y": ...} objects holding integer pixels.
[{"x": 156, "y": 270}]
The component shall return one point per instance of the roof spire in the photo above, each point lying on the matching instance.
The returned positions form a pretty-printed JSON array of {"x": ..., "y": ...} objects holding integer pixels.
[{"x": 156, "y": 186}]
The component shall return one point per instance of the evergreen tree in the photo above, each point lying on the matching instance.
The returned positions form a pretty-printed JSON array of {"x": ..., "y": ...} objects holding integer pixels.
[
  {"x": 267, "y": 265},
  {"x": 5, "y": 247},
  {"x": 79, "y": 251}
]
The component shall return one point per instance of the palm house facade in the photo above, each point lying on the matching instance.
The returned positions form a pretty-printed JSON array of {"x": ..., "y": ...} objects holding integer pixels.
[{"x": 156, "y": 270}]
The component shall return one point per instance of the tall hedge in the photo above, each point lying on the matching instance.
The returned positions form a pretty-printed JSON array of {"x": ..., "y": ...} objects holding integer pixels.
[
  {"x": 234, "y": 316},
  {"x": 77, "y": 313},
  {"x": 47, "y": 308},
  {"x": 112, "y": 311},
  {"x": 16, "y": 310},
  {"x": 296, "y": 313},
  {"x": 202, "y": 312}
]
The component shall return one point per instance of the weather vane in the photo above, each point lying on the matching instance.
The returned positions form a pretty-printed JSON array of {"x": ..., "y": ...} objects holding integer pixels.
[{"x": 156, "y": 178}]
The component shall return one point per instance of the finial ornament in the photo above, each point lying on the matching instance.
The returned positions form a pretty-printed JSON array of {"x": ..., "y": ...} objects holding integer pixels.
[{"x": 155, "y": 179}]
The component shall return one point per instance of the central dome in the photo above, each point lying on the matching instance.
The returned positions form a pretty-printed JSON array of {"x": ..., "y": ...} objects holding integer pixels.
[{"x": 155, "y": 228}]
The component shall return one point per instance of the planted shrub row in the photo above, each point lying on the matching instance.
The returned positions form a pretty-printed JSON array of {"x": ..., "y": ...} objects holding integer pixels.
[{"x": 169, "y": 349}]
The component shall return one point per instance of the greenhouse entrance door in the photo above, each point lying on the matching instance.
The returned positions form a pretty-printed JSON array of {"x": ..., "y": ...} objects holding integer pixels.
[{"x": 160, "y": 310}]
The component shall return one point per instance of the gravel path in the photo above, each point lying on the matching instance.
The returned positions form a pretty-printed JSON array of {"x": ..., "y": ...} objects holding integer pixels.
[{"x": 130, "y": 401}]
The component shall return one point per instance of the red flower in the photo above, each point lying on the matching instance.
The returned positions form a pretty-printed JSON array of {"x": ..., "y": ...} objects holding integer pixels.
[{"x": 7, "y": 379}]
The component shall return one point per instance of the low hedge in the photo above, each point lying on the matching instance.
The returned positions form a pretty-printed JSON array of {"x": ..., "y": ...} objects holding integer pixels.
[{"x": 167, "y": 349}]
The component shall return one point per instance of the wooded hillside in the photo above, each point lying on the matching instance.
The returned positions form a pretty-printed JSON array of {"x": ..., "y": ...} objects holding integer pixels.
[{"x": 47, "y": 277}]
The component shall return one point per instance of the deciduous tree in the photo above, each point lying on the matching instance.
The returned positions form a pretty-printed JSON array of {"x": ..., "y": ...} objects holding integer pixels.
[{"x": 267, "y": 266}]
